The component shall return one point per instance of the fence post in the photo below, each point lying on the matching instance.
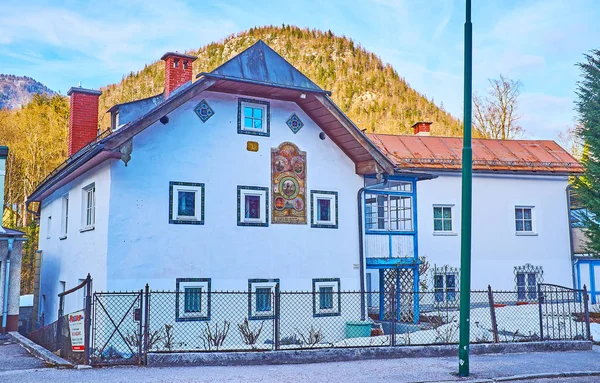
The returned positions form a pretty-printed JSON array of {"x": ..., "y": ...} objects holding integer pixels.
[
  {"x": 61, "y": 302},
  {"x": 146, "y": 323},
  {"x": 87, "y": 318},
  {"x": 540, "y": 302},
  {"x": 394, "y": 310},
  {"x": 276, "y": 324},
  {"x": 587, "y": 312},
  {"x": 493, "y": 314}
]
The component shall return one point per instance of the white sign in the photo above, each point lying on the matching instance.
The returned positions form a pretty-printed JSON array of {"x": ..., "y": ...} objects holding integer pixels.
[{"x": 77, "y": 330}]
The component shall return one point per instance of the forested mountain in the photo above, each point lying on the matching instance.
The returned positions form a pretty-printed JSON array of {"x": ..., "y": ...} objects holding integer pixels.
[
  {"x": 16, "y": 91},
  {"x": 372, "y": 93}
]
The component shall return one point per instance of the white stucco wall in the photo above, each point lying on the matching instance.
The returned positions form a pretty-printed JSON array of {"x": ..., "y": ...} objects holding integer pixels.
[
  {"x": 496, "y": 249},
  {"x": 144, "y": 247},
  {"x": 72, "y": 258}
]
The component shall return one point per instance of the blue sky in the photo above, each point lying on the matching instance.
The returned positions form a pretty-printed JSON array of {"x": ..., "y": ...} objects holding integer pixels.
[{"x": 537, "y": 42}]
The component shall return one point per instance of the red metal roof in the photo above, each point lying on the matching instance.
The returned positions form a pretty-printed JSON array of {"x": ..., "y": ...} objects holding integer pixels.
[{"x": 428, "y": 152}]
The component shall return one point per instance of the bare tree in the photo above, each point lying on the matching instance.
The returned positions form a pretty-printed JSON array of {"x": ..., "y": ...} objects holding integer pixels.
[
  {"x": 571, "y": 141},
  {"x": 496, "y": 114}
]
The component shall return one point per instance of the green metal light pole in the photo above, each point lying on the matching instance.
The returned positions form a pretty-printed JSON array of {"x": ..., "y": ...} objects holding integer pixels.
[{"x": 466, "y": 207}]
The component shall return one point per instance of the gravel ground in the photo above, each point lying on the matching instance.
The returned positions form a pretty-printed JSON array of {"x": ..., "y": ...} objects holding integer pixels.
[{"x": 371, "y": 371}]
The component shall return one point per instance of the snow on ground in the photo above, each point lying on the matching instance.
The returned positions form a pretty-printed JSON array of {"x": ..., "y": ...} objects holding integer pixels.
[{"x": 595, "y": 331}]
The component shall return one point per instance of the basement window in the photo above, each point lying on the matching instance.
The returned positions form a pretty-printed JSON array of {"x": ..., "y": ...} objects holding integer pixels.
[
  {"x": 326, "y": 297},
  {"x": 261, "y": 298},
  {"x": 193, "y": 299}
]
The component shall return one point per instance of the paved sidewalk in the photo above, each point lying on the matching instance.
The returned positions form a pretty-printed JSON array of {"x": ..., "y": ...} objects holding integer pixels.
[
  {"x": 13, "y": 357},
  {"x": 369, "y": 371}
]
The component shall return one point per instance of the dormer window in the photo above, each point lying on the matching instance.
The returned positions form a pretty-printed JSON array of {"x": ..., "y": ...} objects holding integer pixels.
[{"x": 175, "y": 63}]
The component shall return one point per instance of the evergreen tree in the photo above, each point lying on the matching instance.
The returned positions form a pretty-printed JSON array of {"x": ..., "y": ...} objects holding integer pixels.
[{"x": 588, "y": 108}]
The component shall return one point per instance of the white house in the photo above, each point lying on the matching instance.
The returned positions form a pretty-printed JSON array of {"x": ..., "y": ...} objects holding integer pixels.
[
  {"x": 251, "y": 178},
  {"x": 520, "y": 234}
]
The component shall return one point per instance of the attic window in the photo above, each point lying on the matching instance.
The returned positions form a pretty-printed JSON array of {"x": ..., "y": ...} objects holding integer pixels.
[
  {"x": 175, "y": 63},
  {"x": 253, "y": 117}
]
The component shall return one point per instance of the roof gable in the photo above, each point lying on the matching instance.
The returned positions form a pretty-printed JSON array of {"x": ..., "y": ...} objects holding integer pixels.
[{"x": 261, "y": 64}]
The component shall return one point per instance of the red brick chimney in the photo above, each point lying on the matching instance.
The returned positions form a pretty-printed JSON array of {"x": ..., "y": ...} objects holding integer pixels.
[
  {"x": 422, "y": 128},
  {"x": 83, "y": 118},
  {"x": 178, "y": 70}
]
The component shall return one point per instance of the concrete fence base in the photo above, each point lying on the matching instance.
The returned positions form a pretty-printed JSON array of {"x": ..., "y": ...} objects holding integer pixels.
[{"x": 349, "y": 354}]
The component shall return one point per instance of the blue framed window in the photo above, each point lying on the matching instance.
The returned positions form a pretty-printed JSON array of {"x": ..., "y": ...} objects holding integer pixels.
[
  {"x": 445, "y": 283},
  {"x": 254, "y": 117},
  {"x": 263, "y": 299},
  {"x": 326, "y": 297},
  {"x": 186, "y": 203},
  {"x": 438, "y": 286},
  {"x": 192, "y": 299},
  {"x": 324, "y": 209},
  {"x": 262, "y": 294}
]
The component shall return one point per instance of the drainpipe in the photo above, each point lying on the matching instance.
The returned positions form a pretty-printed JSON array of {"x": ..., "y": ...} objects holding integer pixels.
[
  {"x": 361, "y": 250},
  {"x": 572, "y": 245},
  {"x": 6, "y": 282}
]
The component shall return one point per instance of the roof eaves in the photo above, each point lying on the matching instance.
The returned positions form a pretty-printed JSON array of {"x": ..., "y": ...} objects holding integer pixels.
[{"x": 256, "y": 82}]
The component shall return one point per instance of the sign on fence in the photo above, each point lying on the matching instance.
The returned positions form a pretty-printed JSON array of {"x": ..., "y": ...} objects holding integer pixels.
[{"x": 77, "y": 330}]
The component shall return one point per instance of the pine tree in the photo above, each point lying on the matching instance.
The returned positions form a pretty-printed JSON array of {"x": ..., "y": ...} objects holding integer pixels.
[{"x": 588, "y": 108}]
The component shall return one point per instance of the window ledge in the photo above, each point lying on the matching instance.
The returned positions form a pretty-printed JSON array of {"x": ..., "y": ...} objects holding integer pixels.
[
  {"x": 526, "y": 234},
  {"x": 445, "y": 233},
  {"x": 63, "y": 237},
  {"x": 87, "y": 229}
]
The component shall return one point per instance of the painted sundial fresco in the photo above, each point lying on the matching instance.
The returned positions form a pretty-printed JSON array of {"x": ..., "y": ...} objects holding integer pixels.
[{"x": 288, "y": 172}]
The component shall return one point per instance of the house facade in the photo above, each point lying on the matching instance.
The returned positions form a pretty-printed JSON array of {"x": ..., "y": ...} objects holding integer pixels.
[{"x": 251, "y": 178}]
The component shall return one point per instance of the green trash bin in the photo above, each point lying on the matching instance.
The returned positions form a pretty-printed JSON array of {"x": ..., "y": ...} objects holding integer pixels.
[{"x": 358, "y": 329}]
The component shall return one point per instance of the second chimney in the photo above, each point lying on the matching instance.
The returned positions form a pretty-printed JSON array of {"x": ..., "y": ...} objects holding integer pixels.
[
  {"x": 178, "y": 70},
  {"x": 422, "y": 128},
  {"x": 83, "y": 117}
]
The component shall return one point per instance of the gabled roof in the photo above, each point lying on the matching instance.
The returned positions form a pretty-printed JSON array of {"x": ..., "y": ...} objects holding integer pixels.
[
  {"x": 445, "y": 153},
  {"x": 261, "y": 64},
  {"x": 270, "y": 77}
]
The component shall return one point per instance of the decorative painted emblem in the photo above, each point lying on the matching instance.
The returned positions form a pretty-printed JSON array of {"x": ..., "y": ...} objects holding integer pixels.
[
  {"x": 204, "y": 111},
  {"x": 288, "y": 171},
  {"x": 294, "y": 123}
]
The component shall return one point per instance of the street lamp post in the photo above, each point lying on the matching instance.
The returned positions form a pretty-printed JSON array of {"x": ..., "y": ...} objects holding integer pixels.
[{"x": 466, "y": 207}]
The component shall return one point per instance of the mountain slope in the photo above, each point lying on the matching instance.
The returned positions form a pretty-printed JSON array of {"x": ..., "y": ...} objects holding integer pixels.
[
  {"x": 373, "y": 95},
  {"x": 16, "y": 91}
]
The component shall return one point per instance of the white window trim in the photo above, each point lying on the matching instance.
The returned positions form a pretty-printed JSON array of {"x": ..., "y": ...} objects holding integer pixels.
[
  {"x": 443, "y": 233},
  {"x": 259, "y": 285},
  {"x": 203, "y": 302},
  {"x": 64, "y": 217},
  {"x": 244, "y": 104},
  {"x": 197, "y": 203},
  {"x": 335, "y": 309},
  {"x": 84, "y": 202},
  {"x": 533, "y": 231},
  {"x": 263, "y": 200},
  {"x": 332, "y": 208}
]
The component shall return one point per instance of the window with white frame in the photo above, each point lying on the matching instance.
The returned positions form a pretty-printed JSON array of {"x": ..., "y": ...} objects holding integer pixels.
[
  {"x": 527, "y": 278},
  {"x": 524, "y": 219},
  {"x": 89, "y": 206},
  {"x": 253, "y": 207},
  {"x": 186, "y": 203},
  {"x": 64, "y": 219},
  {"x": 324, "y": 209},
  {"x": 261, "y": 298},
  {"x": 193, "y": 299},
  {"x": 253, "y": 117},
  {"x": 442, "y": 218},
  {"x": 388, "y": 212},
  {"x": 326, "y": 297},
  {"x": 445, "y": 283},
  {"x": 391, "y": 185},
  {"x": 48, "y": 227}
]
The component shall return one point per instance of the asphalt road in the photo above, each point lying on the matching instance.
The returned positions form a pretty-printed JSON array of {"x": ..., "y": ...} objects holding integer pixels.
[{"x": 29, "y": 369}]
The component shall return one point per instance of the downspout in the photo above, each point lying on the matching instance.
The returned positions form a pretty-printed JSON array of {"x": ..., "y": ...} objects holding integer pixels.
[
  {"x": 572, "y": 245},
  {"x": 6, "y": 282},
  {"x": 361, "y": 250}
]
